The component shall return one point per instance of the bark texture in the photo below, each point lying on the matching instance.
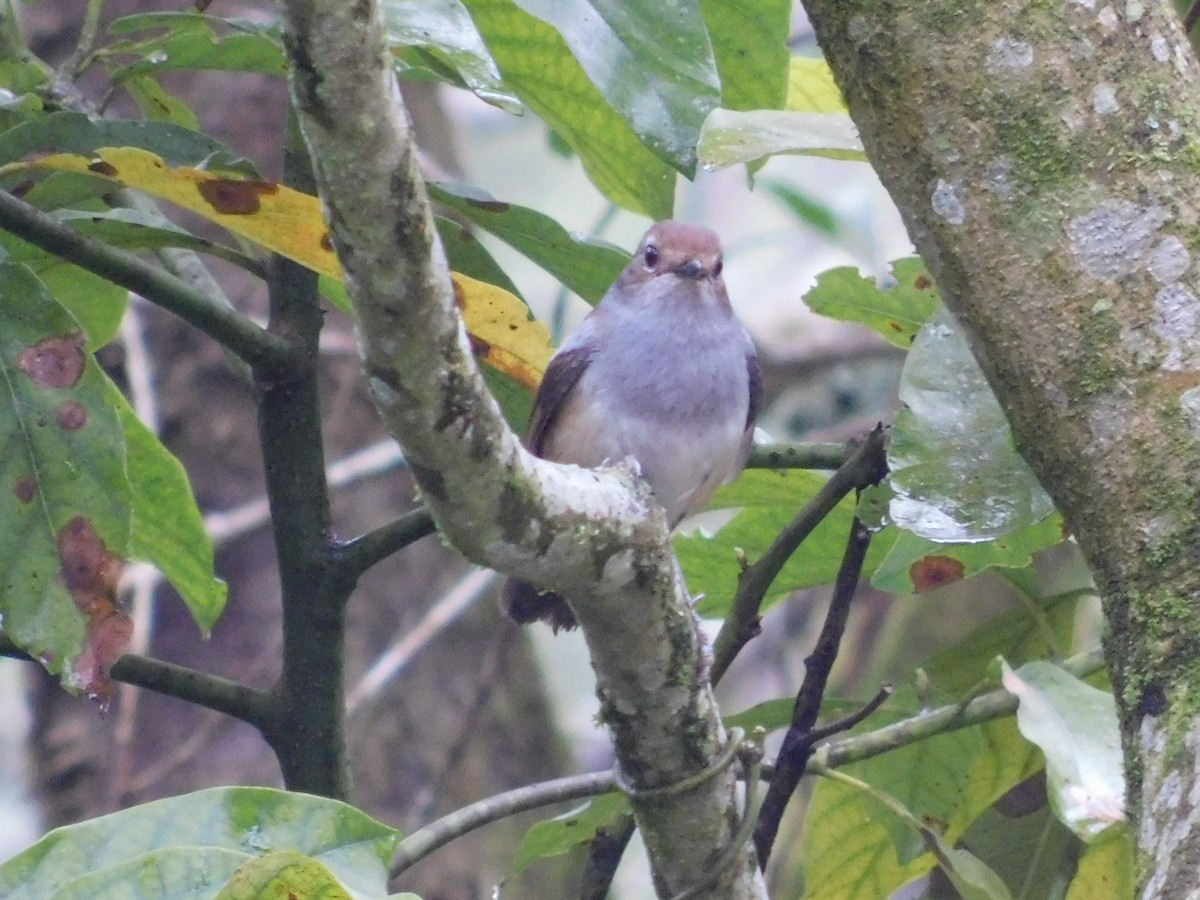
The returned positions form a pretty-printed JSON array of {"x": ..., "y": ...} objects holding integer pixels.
[
  {"x": 593, "y": 537},
  {"x": 1045, "y": 160}
]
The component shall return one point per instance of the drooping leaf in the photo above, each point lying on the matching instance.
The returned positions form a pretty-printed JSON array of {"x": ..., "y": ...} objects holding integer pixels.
[
  {"x": 896, "y": 310},
  {"x": 652, "y": 61},
  {"x": 730, "y": 137},
  {"x": 237, "y": 824},
  {"x": 444, "y": 29},
  {"x": 1075, "y": 726},
  {"x": 585, "y": 266},
  {"x": 291, "y": 223},
  {"x": 168, "y": 529},
  {"x": 768, "y": 500},
  {"x": 553, "y": 837},
  {"x": 749, "y": 41},
  {"x": 158, "y": 104},
  {"x": 64, "y": 505},
  {"x": 970, "y": 876},
  {"x": 916, "y": 564},
  {"x": 537, "y": 64},
  {"x": 955, "y": 473}
]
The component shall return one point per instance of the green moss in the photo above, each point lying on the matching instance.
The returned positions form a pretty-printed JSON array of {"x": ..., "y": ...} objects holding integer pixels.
[
  {"x": 1097, "y": 368},
  {"x": 1033, "y": 136}
]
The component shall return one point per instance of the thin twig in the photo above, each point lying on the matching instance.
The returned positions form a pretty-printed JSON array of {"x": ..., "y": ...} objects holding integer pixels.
[
  {"x": 412, "y": 641},
  {"x": 865, "y": 466},
  {"x": 924, "y": 725},
  {"x": 261, "y": 349},
  {"x": 79, "y": 58},
  {"x": 799, "y": 741},
  {"x": 356, "y": 556},
  {"x": 248, "y": 704},
  {"x": 800, "y": 456}
]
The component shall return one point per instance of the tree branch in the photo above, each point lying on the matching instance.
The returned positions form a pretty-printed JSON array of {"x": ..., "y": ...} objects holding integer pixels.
[
  {"x": 800, "y": 456},
  {"x": 259, "y": 348},
  {"x": 595, "y": 537},
  {"x": 213, "y": 692},
  {"x": 1054, "y": 212},
  {"x": 866, "y": 465}
]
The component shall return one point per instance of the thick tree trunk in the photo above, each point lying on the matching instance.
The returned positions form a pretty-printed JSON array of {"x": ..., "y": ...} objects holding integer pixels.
[{"x": 1044, "y": 158}]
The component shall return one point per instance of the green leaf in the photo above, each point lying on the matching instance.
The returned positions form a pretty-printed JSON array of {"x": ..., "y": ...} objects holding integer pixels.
[
  {"x": 955, "y": 472},
  {"x": 856, "y": 848},
  {"x": 158, "y": 104},
  {"x": 749, "y": 41},
  {"x": 768, "y": 500},
  {"x": 443, "y": 28},
  {"x": 71, "y": 132},
  {"x": 896, "y": 311},
  {"x": 1107, "y": 868},
  {"x": 96, "y": 303},
  {"x": 730, "y": 137},
  {"x": 65, "y": 500},
  {"x": 168, "y": 529},
  {"x": 585, "y": 266},
  {"x": 970, "y": 876},
  {"x": 192, "y": 41},
  {"x": 235, "y": 824},
  {"x": 809, "y": 211},
  {"x": 284, "y": 873},
  {"x": 811, "y": 87},
  {"x": 553, "y": 837},
  {"x": 652, "y": 61},
  {"x": 916, "y": 564},
  {"x": 173, "y": 872},
  {"x": 537, "y": 64},
  {"x": 1075, "y": 725},
  {"x": 775, "y": 714}
]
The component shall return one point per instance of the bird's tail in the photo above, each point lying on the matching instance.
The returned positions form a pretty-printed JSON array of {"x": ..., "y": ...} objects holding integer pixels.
[{"x": 524, "y": 604}]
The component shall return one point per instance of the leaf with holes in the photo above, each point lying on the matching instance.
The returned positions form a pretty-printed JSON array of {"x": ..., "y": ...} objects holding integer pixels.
[
  {"x": 896, "y": 310},
  {"x": 65, "y": 500}
]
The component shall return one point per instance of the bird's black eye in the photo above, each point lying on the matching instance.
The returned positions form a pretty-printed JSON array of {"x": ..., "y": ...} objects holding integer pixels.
[
  {"x": 716, "y": 272},
  {"x": 650, "y": 255}
]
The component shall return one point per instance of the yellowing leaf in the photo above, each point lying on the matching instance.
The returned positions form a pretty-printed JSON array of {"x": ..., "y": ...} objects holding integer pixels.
[
  {"x": 292, "y": 224},
  {"x": 811, "y": 87}
]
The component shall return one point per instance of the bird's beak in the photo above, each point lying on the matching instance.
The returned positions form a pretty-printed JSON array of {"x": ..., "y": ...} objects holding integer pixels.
[{"x": 693, "y": 268}]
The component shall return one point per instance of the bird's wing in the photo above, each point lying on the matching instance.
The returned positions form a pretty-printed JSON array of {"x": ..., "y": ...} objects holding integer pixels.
[{"x": 558, "y": 384}]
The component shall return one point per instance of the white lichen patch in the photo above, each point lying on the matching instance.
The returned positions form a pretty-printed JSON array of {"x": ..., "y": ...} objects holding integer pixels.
[
  {"x": 1104, "y": 99},
  {"x": 997, "y": 178},
  {"x": 1108, "y": 18},
  {"x": 1170, "y": 260},
  {"x": 1167, "y": 820},
  {"x": 1140, "y": 344},
  {"x": 618, "y": 569},
  {"x": 1008, "y": 54},
  {"x": 1189, "y": 402},
  {"x": 1113, "y": 240},
  {"x": 947, "y": 204},
  {"x": 1134, "y": 10},
  {"x": 1086, "y": 4},
  {"x": 1176, "y": 315},
  {"x": 1159, "y": 49}
]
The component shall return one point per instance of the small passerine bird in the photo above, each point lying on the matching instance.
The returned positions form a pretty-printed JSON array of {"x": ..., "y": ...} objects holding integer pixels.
[{"x": 661, "y": 371}]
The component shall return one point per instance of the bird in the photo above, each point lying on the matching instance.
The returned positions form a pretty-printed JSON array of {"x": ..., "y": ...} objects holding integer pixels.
[{"x": 661, "y": 371}]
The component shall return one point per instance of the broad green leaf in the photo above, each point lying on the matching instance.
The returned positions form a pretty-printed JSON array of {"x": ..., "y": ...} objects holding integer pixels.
[
  {"x": 768, "y": 500},
  {"x": 855, "y": 848},
  {"x": 553, "y": 837},
  {"x": 1075, "y": 725},
  {"x": 178, "y": 873},
  {"x": 537, "y": 64},
  {"x": 158, "y": 104},
  {"x": 283, "y": 873},
  {"x": 730, "y": 137},
  {"x": 65, "y": 502},
  {"x": 811, "y": 87},
  {"x": 749, "y": 41},
  {"x": 71, "y": 132},
  {"x": 970, "y": 876},
  {"x": 96, "y": 303},
  {"x": 247, "y": 822},
  {"x": 915, "y": 564},
  {"x": 652, "y": 61},
  {"x": 897, "y": 310},
  {"x": 583, "y": 265},
  {"x": 955, "y": 473},
  {"x": 168, "y": 529},
  {"x": 444, "y": 29},
  {"x": 1107, "y": 868},
  {"x": 808, "y": 210},
  {"x": 191, "y": 41}
]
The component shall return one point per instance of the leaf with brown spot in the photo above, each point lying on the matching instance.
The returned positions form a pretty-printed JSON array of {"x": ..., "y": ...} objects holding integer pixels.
[
  {"x": 65, "y": 524},
  {"x": 293, "y": 224},
  {"x": 55, "y": 362},
  {"x": 932, "y": 572},
  {"x": 896, "y": 310}
]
